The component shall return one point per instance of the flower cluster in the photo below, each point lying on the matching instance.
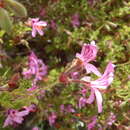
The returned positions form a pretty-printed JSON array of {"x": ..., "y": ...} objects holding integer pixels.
[
  {"x": 83, "y": 59},
  {"x": 77, "y": 72},
  {"x": 36, "y": 68}
]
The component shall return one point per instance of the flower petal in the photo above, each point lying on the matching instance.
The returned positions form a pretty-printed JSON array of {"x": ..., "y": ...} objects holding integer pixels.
[
  {"x": 22, "y": 113},
  {"x": 8, "y": 121},
  {"x": 105, "y": 80},
  {"x": 88, "y": 53},
  {"x": 18, "y": 120},
  {"x": 99, "y": 99},
  {"x": 33, "y": 32},
  {"x": 91, "y": 68}
]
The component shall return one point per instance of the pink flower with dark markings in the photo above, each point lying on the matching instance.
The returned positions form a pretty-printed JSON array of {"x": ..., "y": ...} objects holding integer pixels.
[
  {"x": 89, "y": 53},
  {"x": 15, "y": 117},
  {"x": 37, "y": 26},
  {"x": 75, "y": 20},
  {"x": 52, "y": 118},
  {"x": 36, "y": 69},
  {"x": 102, "y": 83}
]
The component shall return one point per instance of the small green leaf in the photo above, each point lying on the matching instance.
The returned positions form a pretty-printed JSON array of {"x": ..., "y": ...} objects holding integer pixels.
[
  {"x": 17, "y": 8},
  {"x": 5, "y": 22}
]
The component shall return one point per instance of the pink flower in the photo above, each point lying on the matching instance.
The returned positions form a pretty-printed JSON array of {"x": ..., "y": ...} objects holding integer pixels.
[
  {"x": 92, "y": 124},
  {"x": 83, "y": 92},
  {"x": 42, "y": 12},
  {"x": 53, "y": 25},
  {"x": 37, "y": 26},
  {"x": 62, "y": 108},
  {"x": 75, "y": 20},
  {"x": 106, "y": 79},
  {"x": 15, "y": 117},
  {"x": 82, "y": 102},
  {"x": 67, "y": 108},
  {"x": 101, "y": 83},
  {"x": 37, "y": 69},
  {"x": 89, "y": 53},
  {"x": 35, "y": 128},
  {"x": 52, "y": 118},
  {"x": 91, "y": 97},
  {"x": 70, "y": 109},
  {"x": 111, "y": 119},
  {"x": 31, "y": 108},
  {"x": 91, "y": 2}
]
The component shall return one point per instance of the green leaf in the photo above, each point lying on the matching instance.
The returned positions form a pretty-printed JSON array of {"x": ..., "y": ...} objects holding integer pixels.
[
  {"x": 5, "y": 22},
  {"x": 17, "y": 8}
]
